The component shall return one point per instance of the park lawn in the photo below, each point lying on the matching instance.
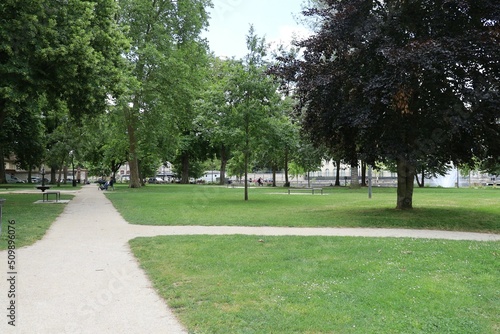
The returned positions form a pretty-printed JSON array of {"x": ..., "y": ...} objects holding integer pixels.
[
  {"x": 8, "y": 187},
  {"x": 249, "y": 284},
  {"x": 465, "y": 209},
  {"x": 31, "y": 220}
]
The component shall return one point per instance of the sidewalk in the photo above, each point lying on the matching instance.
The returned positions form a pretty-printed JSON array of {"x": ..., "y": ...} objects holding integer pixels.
[{"x": 82, "y": 277}]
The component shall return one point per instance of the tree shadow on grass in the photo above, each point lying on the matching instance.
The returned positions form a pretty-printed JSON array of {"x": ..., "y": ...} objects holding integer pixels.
[{"x": 449, "y": 218}]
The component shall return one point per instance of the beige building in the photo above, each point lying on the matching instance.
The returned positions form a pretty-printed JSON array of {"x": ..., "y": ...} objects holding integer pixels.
[{"x": 12, "y": 169}]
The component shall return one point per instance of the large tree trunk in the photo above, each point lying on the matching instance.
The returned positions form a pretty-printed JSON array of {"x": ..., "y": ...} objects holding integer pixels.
[
  {"x": 274, "y": 174},
  {"x": 223, "y": 164},
  {"x": 142, "y": 179},
  {"x": 2, "y": 163},
  {"x": 185, "y": 168},
  {"x": 406, "y": 176},
  {"x": 53, "y": 170},
  {"x": 133, "y": 162},
  {"x": 363, "y": 174},
  {"x": 65, "y": 174},
  {"x": 337, "y": 174},
  {"x": 354, "y": 177},
  {"x": 30, "y": 167}
]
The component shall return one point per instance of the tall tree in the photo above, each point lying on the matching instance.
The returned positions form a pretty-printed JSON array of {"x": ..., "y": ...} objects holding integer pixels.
[
  {"x": 192, "y": 150},
  {"x": 214, "y": 119},
  {"x": 281, "y": 141},
  {"x": 165, "y": 59},
  {"x": 63, "y": 52},
  {"x": 104, "y": 143},
  {"x": 402, "y": 80},
  {"x": 29, "y": 142}
]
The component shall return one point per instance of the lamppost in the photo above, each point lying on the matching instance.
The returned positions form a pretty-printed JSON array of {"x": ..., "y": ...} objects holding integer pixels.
[{"x": 72, "y": 155}]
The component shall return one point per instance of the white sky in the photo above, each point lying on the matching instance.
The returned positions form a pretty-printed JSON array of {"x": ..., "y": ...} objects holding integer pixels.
[{"x": 231, "y": 19}]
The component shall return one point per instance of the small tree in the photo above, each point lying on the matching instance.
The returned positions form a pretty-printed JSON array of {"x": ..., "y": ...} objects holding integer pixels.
[{"x": 250, "y": 94}]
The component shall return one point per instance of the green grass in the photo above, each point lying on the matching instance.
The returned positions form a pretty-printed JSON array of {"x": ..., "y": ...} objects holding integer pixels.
[
  {"x": 434, "y": 208},
  {"x": 238, "y": 284},
  {"x": 21, "y": 186},
  {"x": 31, "y": 220},
  {"x": 249, "y": 284}
]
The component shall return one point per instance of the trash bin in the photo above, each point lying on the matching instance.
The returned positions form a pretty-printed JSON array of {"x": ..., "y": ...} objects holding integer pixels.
[{"x": 2, "y": 200}]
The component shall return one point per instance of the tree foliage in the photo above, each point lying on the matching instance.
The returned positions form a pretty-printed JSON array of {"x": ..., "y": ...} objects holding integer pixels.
[
  {"x": 104, "y": 143},
  {"x": 166, "y": 56},
  {"x": 55, "y": 52},
  {"x": 405, "y": 81},
  {"x": 252, "y": 97},
  {"x": 215, "y": 111}
]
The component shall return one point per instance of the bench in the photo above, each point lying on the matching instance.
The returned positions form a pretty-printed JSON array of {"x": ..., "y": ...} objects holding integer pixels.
[
  {"x": 312, "y": 190},
  {"x": 45, "y": 195}
]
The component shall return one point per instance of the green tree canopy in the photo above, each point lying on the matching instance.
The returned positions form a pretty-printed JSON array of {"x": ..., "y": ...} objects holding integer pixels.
[
  {"x": 166, "y": 58},
  {"x": 252, "y": 97},
  {"x": 60, "y": 52}
]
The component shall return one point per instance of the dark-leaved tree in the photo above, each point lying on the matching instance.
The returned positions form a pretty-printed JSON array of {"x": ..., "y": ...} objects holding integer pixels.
[{"x": 401, "y": 81}]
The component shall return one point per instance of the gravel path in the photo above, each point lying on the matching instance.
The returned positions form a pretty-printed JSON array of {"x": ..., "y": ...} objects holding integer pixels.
[{"x": 82, "y": 277}]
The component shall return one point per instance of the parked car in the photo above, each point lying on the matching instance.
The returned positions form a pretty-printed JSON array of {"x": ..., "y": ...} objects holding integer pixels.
[
  {"x": 39, "y": 180},
  {"x": 156, "y": 180},
  {"x": 12, "y": 179},
  {"x": 159, "y": 180}
]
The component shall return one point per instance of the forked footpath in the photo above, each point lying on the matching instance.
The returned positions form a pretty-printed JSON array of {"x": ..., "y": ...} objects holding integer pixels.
[{"x": 83, "y": 278}]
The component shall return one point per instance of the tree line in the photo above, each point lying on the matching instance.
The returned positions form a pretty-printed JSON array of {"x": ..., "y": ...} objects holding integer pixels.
[{"x": 409, "y": 84}]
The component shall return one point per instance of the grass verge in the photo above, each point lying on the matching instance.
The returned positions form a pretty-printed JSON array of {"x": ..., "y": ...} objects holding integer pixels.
[
  {"x": 238, "y": 284},
  {"x": 434, "y": 208},
  {"x": 32, "y": 220}
]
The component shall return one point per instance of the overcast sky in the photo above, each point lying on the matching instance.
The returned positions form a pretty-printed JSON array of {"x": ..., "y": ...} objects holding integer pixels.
[{"x": 231, "y": 19}]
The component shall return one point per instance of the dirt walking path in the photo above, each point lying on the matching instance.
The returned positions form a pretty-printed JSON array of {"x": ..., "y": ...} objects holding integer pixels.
[{"x": 82, "y": 277}]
